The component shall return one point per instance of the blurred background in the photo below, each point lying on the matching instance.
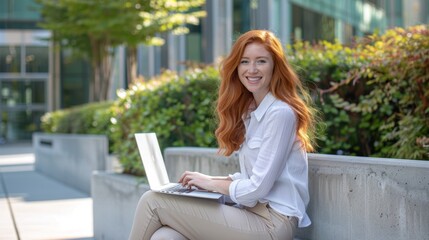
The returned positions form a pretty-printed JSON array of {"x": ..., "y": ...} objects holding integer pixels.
[{"x": 37, "y": 76}]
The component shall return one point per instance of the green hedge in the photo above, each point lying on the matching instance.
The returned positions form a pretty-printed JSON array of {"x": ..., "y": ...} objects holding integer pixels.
[
  {"x": 373, "y": 97},
  {"x": 179, "y": 109},
  {"x": 319, "y": 66},
  {"x": 91, "y": 118}
]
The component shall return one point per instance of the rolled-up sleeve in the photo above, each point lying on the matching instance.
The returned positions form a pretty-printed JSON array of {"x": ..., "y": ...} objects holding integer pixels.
[{"x": 235, "y": 176}]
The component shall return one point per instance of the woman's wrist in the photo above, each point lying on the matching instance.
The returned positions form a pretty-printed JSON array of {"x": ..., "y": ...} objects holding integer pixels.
[{"x": 221, "y": 185}]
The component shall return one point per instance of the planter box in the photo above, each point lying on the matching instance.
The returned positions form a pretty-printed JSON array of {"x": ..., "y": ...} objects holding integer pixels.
[
  {"x": 70, "y": 158},
  {"x": 351, "y": 197},
  {"x": 115, "y": 197},
  {"x": 367, "y": 198}
]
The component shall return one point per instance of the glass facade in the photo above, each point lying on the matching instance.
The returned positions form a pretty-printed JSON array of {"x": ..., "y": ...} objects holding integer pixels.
[
  {"x": 18, "y": 14},
  {"x": 341, "y": 19},
  {"x": 10, "y": 59},
  {"x": 24, "y": 70},
  {"x": 193, "y": 44},
  {"x": 242, "y": 16},
  {"x": 29, "y": 85},
  {"x": 36, "y": 58},
  {"x": 16, "y": 92},
  {"x": 24, "y": 80},
  {"x": 17, "y": 125},
  {"x": 74, "y": 79},
  {"x": 311, "y": 26}
]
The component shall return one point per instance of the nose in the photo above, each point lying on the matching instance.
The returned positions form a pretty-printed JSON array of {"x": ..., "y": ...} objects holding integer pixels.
[{"x": 253, "y": 68}]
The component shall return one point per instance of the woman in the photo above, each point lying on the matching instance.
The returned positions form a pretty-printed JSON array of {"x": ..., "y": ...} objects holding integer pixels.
[{"x": 263, "y": 116}]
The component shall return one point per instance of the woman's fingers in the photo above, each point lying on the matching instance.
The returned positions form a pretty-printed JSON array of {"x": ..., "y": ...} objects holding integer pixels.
[
  {"x": 185, "y": 178},
  {"x": 194, "y": 179}
]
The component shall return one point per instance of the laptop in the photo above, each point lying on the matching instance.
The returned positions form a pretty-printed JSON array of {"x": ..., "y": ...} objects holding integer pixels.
[{"x": 156, "y": 172}]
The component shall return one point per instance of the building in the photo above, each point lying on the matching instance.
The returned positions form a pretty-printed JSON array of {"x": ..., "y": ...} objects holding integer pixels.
[{"x": 35, "y": 79}]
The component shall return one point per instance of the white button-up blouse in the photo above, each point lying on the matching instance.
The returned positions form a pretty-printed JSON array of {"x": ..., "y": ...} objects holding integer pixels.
[{"x": 273, "y": 164}]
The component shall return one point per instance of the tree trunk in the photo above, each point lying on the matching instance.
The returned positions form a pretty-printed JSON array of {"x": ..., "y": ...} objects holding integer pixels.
[
  {"x": 106, "y": 73},
  {"x": 101, "y": 61},
  {"x": 131, "y": 65}
]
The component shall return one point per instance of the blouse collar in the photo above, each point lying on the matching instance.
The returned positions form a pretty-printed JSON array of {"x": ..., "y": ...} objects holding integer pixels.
[{"x": 264, "y": 105}]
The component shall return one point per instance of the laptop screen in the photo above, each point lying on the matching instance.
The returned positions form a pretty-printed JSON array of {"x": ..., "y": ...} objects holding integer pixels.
[{"x": 152, "y": 159}]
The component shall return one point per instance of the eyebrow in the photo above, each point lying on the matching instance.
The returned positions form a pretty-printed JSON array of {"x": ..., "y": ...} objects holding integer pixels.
[{"x": 258, "y": 57}]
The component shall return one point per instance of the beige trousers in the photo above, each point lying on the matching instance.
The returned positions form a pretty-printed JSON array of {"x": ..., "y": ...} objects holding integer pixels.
[{"x": 163, "y": 216}]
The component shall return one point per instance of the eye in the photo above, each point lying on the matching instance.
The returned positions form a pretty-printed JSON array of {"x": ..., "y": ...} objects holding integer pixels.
[
  {"x": 244, "y": 61},
  {"x": 261, "y": 61}
]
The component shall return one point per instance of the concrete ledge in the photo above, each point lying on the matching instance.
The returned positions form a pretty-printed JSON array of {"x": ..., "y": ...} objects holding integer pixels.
[
  {"x": 204, "y": 160},
  {"x": 115, "y": 197},
  {"x": 351, "y": 197},
  {"x": 367, "y": 198},
  {"x": 70, "y": 158}
]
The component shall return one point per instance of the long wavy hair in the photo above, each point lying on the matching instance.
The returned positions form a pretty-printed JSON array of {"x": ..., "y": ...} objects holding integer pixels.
[{"x": 234, "y": 99}]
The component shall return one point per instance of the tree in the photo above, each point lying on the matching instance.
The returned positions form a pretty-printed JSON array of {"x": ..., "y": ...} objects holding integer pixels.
[{"x": 96, "y": 27}]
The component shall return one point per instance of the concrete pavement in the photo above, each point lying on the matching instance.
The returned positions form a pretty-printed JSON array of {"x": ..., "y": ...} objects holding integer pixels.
[{"x": 36, "y": 207}]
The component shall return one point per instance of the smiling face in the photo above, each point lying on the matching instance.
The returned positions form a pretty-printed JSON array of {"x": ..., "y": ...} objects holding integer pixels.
[{"x": 256, "y": 70}]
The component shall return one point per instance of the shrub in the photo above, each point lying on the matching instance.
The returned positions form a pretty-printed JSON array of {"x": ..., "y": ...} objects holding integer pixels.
[
  {"x": 91, "y": 118},
  {"x": 375, "y": 96},
  {"x": 395, "y": 103},
  {"x": 179, "y": 109},
  {"x": 319, "y": 66}
]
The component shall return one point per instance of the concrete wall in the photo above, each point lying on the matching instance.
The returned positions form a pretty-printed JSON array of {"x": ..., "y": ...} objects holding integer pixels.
[
  {"x": 115, "y": 197},
  {"x": 204, "y": 160},
  {"x": 70, "y": 158},
  {"x": 367, "y": 198},
  {"x": 351, "y": 197}
]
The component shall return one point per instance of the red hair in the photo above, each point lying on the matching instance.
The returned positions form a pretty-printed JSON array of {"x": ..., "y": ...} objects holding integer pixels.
[{"x": 234, "y": 99}]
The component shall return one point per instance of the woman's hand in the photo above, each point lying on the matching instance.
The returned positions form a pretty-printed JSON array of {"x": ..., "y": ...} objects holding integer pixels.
[
  {"x": 205, "y": 182},
  {"x": 195, "y": 179}
]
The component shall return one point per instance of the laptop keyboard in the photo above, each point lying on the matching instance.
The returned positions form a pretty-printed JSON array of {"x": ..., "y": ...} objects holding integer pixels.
[{"x": 179, "y": 189}]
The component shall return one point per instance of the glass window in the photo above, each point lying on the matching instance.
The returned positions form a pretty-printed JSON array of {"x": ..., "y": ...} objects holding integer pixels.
[
  {"x": 36, "y": 59},
  {"x": 327, "y": 28},
  {"x": 376, "y": 3},
  {"x": 10, "y": 59},
  {"x": 242, "y": 16},
  {"x": 17, "y": 125},
  {"x": 19, "y": 9},
  {"x": 75, "y": 78},
  {"x": 14, "y": 92},
  {"x": 4, "y": 9},
  {"x": 193, "y": 44},
  {"x": 24, "y": 71},
  {"x": 311, "y": 26}
]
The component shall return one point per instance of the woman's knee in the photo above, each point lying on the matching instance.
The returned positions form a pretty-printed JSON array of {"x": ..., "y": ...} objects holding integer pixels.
[
  {"x": 167, "y": 233},
  {"x": 146, "y": 199},
  {"x": 147, "y": 196}
]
